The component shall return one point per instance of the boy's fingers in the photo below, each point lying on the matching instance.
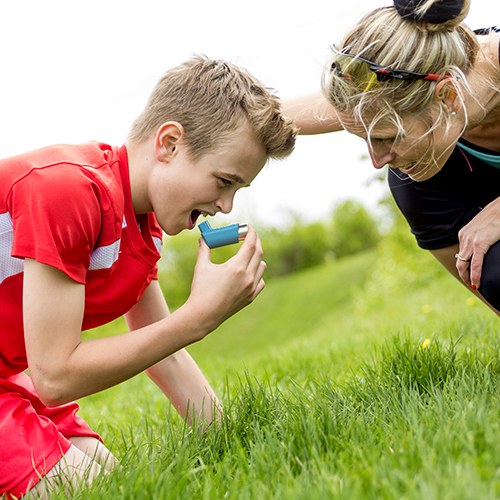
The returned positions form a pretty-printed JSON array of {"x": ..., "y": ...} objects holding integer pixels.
[
  {"x": 259, "y": 275},
  {"x": 251, "y": 250},
  {"x": 203, "y": 250},
  {"x": 260, "y": 287},
  {"x": 249, "y": 246},
  {"x": 256, "y": 259}
]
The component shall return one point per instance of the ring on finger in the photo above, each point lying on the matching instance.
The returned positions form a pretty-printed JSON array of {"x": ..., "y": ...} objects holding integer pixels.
[{"x": 459, "y": 257}]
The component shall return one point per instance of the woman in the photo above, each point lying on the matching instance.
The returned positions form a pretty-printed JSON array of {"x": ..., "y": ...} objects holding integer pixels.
[{"x": 423, "y": 90}]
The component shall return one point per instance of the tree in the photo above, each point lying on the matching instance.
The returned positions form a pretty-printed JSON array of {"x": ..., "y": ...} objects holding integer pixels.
[{"x": 353, "y": 229}]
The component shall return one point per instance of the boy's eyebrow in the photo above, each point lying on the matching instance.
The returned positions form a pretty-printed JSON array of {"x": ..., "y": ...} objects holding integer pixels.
[{"x": 235, "y": 178}]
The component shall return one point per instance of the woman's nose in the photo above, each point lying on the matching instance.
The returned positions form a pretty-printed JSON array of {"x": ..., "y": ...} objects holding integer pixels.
[{"x": 381, "y": 156}]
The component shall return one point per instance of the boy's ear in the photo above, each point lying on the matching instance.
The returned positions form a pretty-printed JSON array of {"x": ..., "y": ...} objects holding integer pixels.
[
  {"x": 447, "y": 94},
  {"x": 167, "y": 139}
]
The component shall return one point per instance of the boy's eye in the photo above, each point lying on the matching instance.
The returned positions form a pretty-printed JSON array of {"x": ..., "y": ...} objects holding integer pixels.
[{"x": 225, "y": 182}]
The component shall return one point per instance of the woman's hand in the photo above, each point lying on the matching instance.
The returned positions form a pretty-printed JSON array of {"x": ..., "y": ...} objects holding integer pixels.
[
  {"x": 475, "y": 240},
  {"x": 220, "y": 290}
]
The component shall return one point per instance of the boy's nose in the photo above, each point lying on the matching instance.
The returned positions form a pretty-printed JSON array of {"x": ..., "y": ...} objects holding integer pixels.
[{"x": 225, "y": 204}]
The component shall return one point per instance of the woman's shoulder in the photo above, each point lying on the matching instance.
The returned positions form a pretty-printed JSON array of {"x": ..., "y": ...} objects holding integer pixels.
[
  {"x": 484, "y": 77},
  {"x": 489, "y": 43}
]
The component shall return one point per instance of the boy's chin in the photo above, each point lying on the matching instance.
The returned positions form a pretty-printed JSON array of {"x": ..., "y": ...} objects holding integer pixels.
[{"x": 173, "y": 231}]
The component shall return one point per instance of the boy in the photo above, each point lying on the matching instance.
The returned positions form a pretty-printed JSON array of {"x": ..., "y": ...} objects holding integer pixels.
[{"x": 80, "y": 236}]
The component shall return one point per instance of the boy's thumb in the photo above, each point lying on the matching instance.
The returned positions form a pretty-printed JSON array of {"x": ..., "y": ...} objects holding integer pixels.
[{"x": 203, "y": 249}]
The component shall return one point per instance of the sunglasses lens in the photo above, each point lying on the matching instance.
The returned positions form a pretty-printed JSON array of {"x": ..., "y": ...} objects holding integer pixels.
[{"x": 356, "y": 71}]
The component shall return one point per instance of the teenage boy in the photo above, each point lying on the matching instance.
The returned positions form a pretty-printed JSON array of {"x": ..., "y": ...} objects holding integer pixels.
[{"x": 80, "y": 237}]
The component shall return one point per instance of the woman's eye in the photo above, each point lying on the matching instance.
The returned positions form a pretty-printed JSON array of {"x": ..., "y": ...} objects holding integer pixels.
[{"x": 385, "y": 141}]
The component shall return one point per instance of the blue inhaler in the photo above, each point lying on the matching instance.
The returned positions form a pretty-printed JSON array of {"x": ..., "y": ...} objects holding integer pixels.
[{"x": 225, "y": 235}]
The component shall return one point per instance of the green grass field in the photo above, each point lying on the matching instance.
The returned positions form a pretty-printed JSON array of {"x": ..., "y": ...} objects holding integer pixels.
[{"x": 360, "y": 379}]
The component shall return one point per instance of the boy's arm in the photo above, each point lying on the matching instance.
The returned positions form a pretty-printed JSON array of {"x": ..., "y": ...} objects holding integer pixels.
[
  {"x": 311, "y": 114},
  {"x": 178, "y": 376},
  {"x": 64, "y": 368}
]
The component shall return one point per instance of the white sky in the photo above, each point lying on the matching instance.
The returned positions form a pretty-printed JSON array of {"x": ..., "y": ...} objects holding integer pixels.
[{"x": 77, "y": 71}]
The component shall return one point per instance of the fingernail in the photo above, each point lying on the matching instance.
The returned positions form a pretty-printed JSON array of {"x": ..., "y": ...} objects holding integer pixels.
[{"x": 473, "y": 287}]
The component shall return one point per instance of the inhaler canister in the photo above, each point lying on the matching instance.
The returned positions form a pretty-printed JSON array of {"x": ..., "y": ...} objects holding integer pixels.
[{"x": 242, "y": 231}]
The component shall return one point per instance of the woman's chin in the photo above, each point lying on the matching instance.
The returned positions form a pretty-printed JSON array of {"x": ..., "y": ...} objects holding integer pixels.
[{"x": 420, "y": 173}]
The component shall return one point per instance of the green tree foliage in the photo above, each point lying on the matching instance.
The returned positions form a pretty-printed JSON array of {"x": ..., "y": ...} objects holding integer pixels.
[
  {"x": 353, "y": 229},
  {"x": 298, "y": 246},
  {"x": 402, "y": 264}
]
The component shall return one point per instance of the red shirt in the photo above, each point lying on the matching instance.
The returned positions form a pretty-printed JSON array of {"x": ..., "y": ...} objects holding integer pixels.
[{"x": 71, "y": 207}]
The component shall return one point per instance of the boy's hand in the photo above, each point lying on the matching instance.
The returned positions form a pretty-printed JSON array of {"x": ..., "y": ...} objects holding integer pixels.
[{"x": 220, "y": 290}]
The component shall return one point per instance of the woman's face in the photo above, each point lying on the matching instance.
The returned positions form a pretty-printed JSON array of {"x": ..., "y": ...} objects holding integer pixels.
[{"x": 413, "y": 152}]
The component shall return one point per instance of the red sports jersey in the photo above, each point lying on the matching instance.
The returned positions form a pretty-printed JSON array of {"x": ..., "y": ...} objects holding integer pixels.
[{"x": 70, "y": 207}]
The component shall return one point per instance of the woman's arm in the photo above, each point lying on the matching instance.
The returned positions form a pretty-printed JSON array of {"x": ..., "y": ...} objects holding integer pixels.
[
  {"x": 311, "y": 114},
  {"x": 64, "y": 368},
  {"x": 446, "y": 256}
]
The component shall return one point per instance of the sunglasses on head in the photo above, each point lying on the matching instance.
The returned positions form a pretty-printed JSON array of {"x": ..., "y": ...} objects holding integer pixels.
[{"x": 366, "y": 75}]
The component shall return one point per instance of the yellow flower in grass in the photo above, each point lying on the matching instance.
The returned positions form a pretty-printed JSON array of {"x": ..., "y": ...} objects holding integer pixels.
[
  {"x": 426, "y": 343},
  {"x": 471, "y": 301},
  {"x": 426, "y": 309}
]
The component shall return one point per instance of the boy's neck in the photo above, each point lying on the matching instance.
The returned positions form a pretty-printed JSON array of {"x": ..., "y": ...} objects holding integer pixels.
[{"x": 141, "y": 159}]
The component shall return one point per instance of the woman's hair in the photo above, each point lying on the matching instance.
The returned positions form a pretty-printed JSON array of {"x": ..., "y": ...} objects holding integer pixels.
[
  {"x": 401, "y": 37},
  {"x": 211, "y": 99}
]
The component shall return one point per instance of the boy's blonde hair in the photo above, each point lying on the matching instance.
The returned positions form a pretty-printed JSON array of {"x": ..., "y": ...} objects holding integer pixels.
[
  {"x": 384, "y": 37},
  {"x": 211, "y": 99}
]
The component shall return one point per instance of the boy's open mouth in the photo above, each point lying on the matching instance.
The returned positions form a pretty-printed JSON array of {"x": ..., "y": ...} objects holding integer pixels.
[
  {"x": 194, "y": 217},
  {"x": 195, "y": 214}
]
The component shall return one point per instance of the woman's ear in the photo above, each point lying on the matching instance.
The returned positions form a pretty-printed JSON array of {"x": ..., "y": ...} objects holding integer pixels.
[
  {"x": 446, "y": 93},
  {"x": 167, "y": 139}
]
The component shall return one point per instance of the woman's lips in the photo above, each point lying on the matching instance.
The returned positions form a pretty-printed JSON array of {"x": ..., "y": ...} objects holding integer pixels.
[{"x": 410, "y": 169}]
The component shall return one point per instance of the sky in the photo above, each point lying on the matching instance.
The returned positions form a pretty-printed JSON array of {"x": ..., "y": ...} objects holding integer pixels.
[{"x": 79, "y": 71}]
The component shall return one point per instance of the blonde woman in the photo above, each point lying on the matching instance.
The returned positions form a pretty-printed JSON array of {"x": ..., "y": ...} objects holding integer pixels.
[{"x": 423, "y": 90}]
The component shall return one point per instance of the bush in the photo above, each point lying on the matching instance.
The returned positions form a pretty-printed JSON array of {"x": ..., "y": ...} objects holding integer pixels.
[
  {"x": 300, "y": 246},
  {"x": 296, "y": 247},
  {"x": 353, "y": 229}
]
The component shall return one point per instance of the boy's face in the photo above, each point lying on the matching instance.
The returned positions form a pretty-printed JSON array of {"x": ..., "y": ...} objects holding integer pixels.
[{"x": 181, "y": 190}]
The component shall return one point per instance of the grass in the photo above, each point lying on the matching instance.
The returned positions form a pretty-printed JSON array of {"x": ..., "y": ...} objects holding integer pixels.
[{"x": 335, "y": 385}]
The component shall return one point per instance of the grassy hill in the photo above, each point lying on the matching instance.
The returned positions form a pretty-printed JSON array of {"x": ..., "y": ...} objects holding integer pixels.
[
  {"x": 363, "y": 378},
  {"x": 289, "y": 308}
]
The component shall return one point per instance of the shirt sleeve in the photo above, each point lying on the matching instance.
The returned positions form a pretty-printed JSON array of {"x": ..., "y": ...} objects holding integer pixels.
[
  {"x": 56, "y": 218},
  {"x": 157, "y": 235}
]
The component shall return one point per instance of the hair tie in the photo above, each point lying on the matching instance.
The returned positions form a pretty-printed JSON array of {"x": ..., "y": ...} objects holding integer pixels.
[{"x": 438, "y": 13}]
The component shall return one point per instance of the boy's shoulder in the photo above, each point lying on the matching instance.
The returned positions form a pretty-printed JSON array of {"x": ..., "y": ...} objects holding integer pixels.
[
  {"x": 62, "y": 166},
  {"x": 93, "y": 154},
  {"x": 76, "y": 177}
]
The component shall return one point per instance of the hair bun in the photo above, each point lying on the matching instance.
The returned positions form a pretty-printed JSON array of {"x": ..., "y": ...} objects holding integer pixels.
[{"x": 439, "y": 12}]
